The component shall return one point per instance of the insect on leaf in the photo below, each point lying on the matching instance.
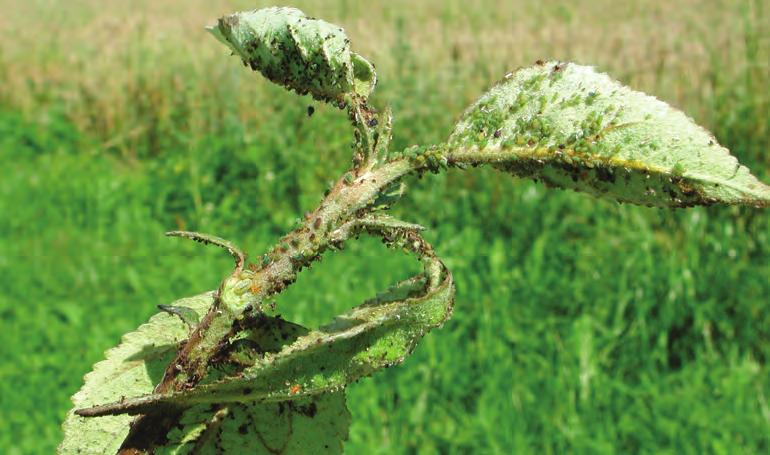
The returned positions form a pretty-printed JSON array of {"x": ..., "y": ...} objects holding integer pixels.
[
  {"x": 574, "y": 128},
  {"x": 377, "y": 334},
  {"x": 299, "y": 52},
  {"x": 317, "y": 424},
  {"x": 314, "y": 425}
]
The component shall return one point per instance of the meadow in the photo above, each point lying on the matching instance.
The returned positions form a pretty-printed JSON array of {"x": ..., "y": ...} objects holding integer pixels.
[{"x": 581, "y": 325}]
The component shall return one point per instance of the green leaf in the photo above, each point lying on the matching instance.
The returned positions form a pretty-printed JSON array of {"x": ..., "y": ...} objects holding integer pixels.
[
  {"x": 574, "y": 128},
  {"x": 208, "y": 239},
  {"x": 375, "y": 335},
  {"x": 187, "y": 315},
  {"x": 301, "y": 53},
  {"x": 316, "y": 424}
]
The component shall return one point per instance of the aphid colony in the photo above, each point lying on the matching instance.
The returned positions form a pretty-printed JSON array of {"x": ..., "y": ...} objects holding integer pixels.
[{"x": 301, "y": 53}]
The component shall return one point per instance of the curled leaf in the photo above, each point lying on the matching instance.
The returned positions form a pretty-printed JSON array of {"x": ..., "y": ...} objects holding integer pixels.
[
  {"x": 377, "y": 334},
  {"x": 316, "y": 424},
  {"x": 574, "y": 128},
  {"x": 299, "y": 52},
  {"x": 208, "y": 239},
  {"x": 134, "y": 366}
]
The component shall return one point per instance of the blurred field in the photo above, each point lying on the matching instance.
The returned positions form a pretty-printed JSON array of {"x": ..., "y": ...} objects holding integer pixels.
[{"x": 581, "y": 325}]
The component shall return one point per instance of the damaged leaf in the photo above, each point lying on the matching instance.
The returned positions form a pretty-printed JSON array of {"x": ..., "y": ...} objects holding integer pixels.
[
  {"x": 574, "y": 128},
  {"x": 301, "y": 53},
  {"x": 377, "y": 334},
  {"x": 316, "y": 424}
]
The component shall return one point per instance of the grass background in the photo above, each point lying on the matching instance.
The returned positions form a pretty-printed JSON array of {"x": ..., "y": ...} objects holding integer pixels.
[{"x": 581, "y": 325}]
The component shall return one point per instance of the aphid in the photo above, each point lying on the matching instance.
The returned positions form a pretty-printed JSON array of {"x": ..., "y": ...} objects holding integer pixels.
[
  {"x": 372, "y": 123},
  {"x": 591, "y": 98},
  {"x": 317, "y": 223},
  {"x": 310, "y": 111},
  {"x": 497, "y": 133},
  {"x": 247, "y": 274},
  {"x": 241, "y": 287}
]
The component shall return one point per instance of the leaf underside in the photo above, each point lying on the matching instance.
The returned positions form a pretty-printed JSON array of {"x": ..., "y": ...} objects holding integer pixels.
[
  {"x": 377, "y": 334},
  {"x": 574, "y": 128},
  {"x": 317, "y": 424}
]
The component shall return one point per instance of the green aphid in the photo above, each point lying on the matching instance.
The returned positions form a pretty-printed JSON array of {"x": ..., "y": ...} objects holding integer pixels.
[
  {"x": 677, "y": 170},
  {"x": 247, "y": 274},
  {"x": 241, "y": 287}
]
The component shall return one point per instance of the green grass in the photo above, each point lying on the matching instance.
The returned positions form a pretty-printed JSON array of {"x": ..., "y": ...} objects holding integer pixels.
[{"x": 581, "y": 325}]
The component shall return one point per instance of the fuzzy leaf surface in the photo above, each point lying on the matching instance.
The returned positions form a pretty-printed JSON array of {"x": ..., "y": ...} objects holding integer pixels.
[
  {"x": 574, "y": 128},
  {"x": 316, "y": 424},
  {"x": 301, "y": 53},
  {"x": 375, "y": 335}
]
